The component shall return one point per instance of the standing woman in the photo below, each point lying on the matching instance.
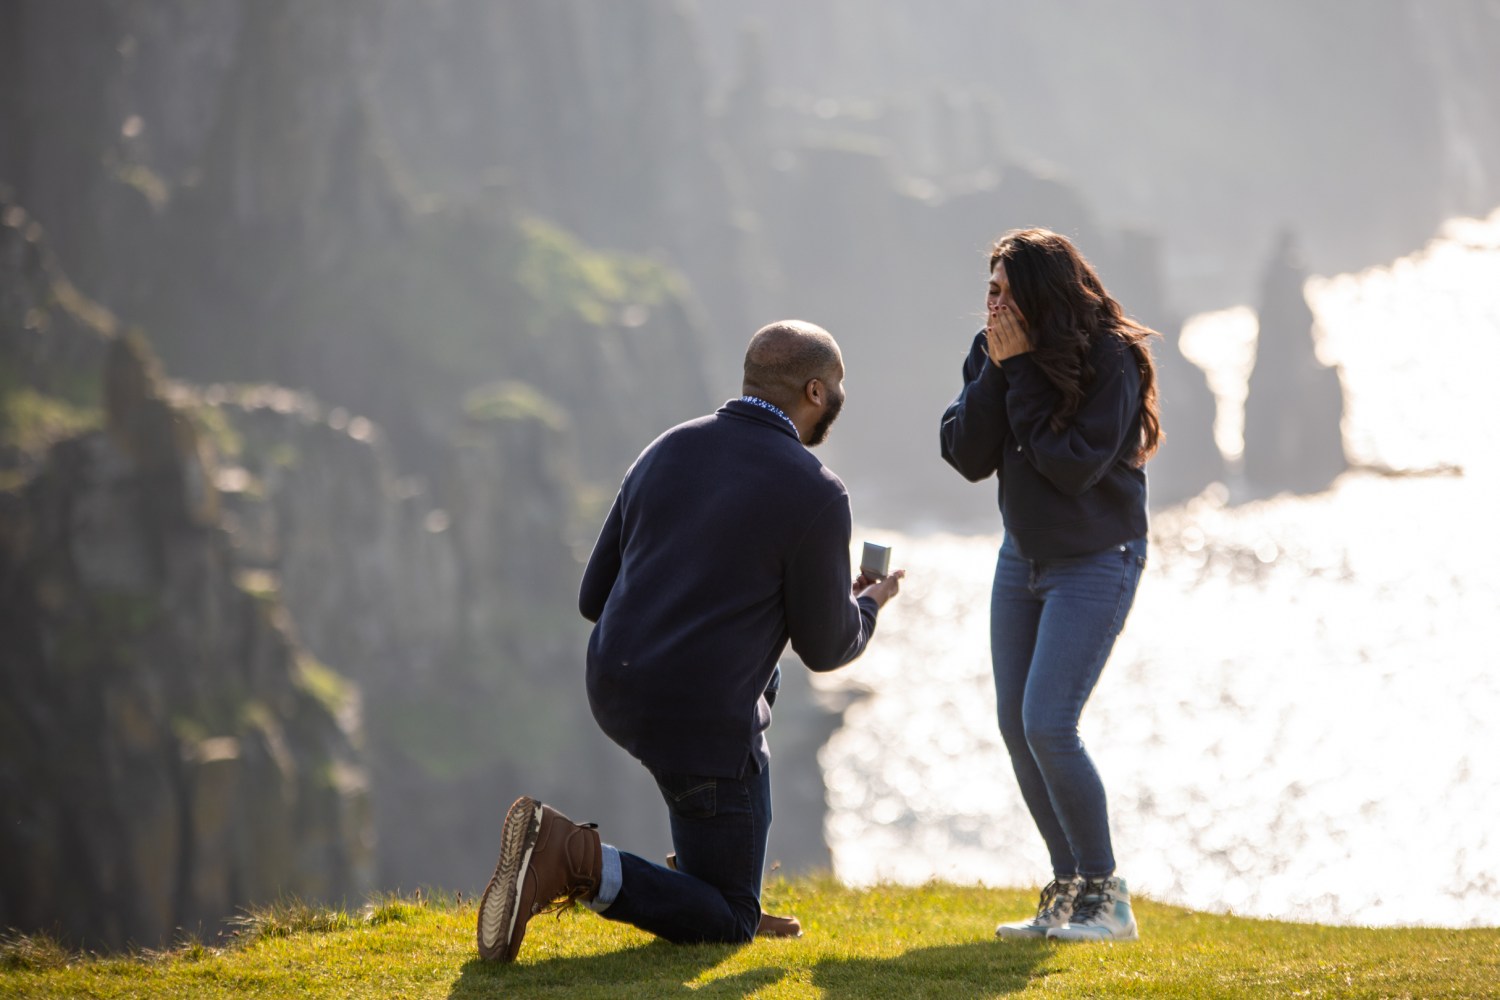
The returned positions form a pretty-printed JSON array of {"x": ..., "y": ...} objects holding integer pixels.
[{"x": 1059, "y": 402}]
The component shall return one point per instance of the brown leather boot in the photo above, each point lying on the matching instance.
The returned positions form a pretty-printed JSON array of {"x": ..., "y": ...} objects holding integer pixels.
[
  {"x": 545, "y": 859},
  {"x": 770, "y": 925}
]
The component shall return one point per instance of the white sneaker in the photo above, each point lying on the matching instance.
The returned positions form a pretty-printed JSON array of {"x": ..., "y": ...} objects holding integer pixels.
[
  {"x": 1052, "y": 910},
  {"x": 1101, "y": 912}
]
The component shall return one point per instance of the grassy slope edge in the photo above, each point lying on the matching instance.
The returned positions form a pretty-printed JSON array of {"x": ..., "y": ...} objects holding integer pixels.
[{"x": 927, "y": 941}]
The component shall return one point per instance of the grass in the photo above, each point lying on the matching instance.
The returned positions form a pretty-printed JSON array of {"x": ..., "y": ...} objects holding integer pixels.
[
  {"x": 33, "y": 421},
  {"x": 928, "y": 941}
]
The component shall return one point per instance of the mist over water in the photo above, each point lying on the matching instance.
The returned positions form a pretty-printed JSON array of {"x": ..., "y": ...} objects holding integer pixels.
[{"x": 1296, "y": 721}]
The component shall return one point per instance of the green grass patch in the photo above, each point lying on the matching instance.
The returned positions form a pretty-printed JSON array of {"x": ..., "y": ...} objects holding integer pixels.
[
  {"x": 33, "y": 421},
  {"x": 214, "y": 426},
  {"x": 929, "y": 941},
  {"x": 566, "y": 277},
  {"x": 83, "y": 309},
  {"x": 288, "y": 918},
  {"x": 328, "y": 687},
  {"x": 512, "y": 400},
  {"x": 146, "y": 182}
]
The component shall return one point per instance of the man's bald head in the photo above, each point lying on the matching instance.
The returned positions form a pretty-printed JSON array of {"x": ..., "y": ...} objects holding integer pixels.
[{"x": 784, "y": 356}]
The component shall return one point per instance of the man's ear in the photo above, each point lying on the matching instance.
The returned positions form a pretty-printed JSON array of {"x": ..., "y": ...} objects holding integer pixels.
[{"x": 813, "y": 390}]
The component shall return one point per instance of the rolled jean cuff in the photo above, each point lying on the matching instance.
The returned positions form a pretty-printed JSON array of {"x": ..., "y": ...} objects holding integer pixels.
[{"x": 609, "y": 880}]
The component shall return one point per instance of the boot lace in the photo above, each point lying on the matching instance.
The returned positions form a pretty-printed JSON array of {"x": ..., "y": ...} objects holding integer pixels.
[
  {"x": 561, "y": 903},
  {"x": 1053, "y": 897},
  {"x": 576, "y": 889},
  {"x": 1092, "y": 899}
]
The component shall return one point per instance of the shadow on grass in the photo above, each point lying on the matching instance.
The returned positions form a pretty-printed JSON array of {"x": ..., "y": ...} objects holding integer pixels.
[
  {"x": 977, "y": 969},
  {"x": 653, "y": 969}
]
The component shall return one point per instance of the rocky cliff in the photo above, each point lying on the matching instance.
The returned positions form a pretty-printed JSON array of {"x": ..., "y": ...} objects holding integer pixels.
[
  {"x": 1295, "y": 408},
  {"x": 168, "y": 751}
]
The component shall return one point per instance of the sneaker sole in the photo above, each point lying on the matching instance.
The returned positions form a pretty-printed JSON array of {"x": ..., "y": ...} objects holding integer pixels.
[
  {"x": 1006, "y": 931},
  {"x": 500, "y": 905},
  {"x": 1065, "y": 934}
]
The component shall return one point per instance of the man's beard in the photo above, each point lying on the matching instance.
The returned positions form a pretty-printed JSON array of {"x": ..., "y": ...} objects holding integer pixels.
[{"x": 820, "y": 429}]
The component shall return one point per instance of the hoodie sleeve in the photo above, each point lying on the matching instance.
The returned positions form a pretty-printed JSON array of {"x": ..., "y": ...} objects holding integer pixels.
[
  {"x": 827, "y": 626},
  {"x": 975, "y": 425},
  {"x": 1077, "y": 457}
]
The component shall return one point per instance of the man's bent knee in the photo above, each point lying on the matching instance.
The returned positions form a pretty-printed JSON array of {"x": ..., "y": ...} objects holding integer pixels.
[{"x": 746, "y": 920}]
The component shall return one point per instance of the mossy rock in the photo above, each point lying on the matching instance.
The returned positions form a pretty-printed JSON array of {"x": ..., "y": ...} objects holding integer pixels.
[
  {"x": 514, "y": 401},
  {"x": 32, "y": 421}
]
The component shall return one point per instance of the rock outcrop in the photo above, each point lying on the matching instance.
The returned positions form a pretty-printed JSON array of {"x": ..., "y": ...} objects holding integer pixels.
[
  {"x": 170, "y": 752},
  {"x": 1294, "y": 411},
  {"x": 456, "y": 622}
]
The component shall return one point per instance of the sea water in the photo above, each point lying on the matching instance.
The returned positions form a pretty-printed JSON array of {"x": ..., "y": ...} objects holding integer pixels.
[{"x": 1300, "y": 720}]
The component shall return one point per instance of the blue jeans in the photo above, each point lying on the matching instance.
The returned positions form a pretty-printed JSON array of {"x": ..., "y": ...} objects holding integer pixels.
[
  {"x": 719, "y": 829},
  {"x": 1053, "y": 623}
]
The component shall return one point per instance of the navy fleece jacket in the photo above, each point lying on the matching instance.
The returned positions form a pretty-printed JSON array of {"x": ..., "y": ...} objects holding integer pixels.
[
  {"x": 727, "y": 539},
  {"x": 1061, "y": 493}
]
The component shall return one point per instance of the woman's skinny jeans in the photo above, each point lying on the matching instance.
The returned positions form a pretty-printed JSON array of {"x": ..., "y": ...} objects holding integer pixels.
[{"x": 1053, "y": 623}]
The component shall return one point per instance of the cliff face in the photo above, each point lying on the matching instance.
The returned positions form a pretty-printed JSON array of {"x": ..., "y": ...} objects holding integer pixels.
[
  {"x": 595, "y": 113},
  {"x": 455, "y": 621},
  {"x": 169, "y": 751},
  {"x": 1296, "y": 403}
]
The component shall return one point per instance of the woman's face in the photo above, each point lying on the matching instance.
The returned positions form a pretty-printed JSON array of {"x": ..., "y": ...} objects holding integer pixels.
[{"x": 1000, "y": 292}]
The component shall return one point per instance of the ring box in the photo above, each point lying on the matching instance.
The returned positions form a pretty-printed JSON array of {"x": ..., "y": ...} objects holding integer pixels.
[{"x": 876, "y": 561}]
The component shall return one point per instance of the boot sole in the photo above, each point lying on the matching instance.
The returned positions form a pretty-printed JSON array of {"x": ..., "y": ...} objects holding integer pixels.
[{"x": 500, "y": 905}]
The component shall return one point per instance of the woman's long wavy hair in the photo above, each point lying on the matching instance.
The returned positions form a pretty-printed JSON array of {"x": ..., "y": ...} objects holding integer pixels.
[{"x": 1065, "y": 307}]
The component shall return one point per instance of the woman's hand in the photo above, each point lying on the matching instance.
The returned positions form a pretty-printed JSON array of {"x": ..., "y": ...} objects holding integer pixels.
[{"x": 1006, "y": 333}]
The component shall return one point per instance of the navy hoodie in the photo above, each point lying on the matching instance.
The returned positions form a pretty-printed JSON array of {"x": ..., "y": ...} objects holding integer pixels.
[
  {"x": 727, "y": 539},
  {"x": 1061, "y": 493}
]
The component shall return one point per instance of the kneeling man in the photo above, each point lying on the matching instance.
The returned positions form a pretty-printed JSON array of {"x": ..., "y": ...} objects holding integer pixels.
[{"x": 727, "y": 540}]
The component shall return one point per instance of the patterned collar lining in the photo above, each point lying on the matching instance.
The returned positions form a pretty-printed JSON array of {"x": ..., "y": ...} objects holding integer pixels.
[{"x": 757, "y": 401}]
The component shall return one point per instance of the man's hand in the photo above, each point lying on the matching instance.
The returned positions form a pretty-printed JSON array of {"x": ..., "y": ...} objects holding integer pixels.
[
  {"x": 1006, "y": 334},
  {"x": 879, "y": 590}
]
